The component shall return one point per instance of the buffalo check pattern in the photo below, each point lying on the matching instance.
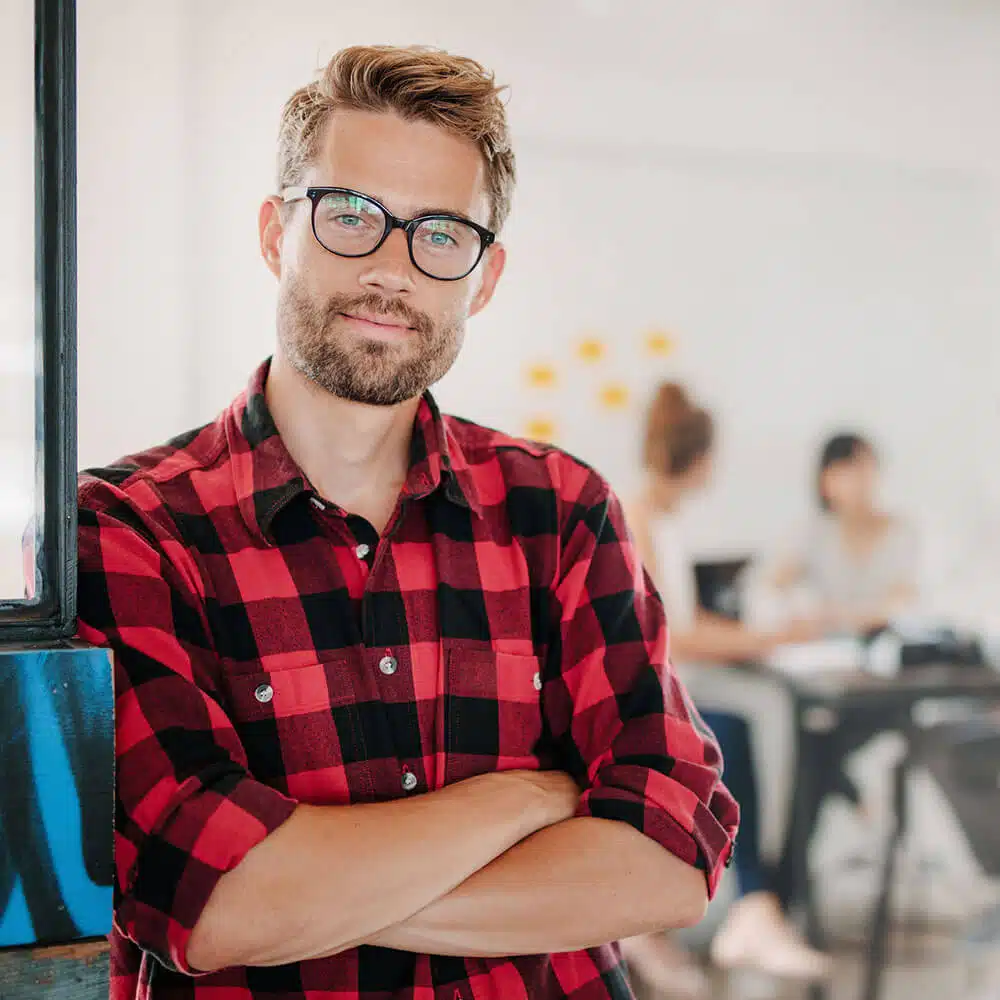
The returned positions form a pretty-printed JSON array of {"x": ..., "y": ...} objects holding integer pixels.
[{"x": 272, "y": 649}]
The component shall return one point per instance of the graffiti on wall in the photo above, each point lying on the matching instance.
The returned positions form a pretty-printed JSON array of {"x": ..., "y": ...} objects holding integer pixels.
[{"x": 56, "y": 794}]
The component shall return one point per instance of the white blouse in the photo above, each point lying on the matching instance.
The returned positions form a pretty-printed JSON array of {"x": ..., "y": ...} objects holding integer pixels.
[
  {"x": 674, "y": 572},
  {"x": 839, "y": 578}
]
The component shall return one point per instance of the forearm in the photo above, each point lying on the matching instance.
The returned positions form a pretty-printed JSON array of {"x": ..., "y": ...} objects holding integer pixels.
[
  {"x": 332, "y": 876},
  {"x": 575, "y": 885},
  {"x": 717, "y": 640}
]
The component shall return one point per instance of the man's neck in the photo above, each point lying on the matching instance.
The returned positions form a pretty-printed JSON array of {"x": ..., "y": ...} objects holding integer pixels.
[{"x": 354, "y": 455}]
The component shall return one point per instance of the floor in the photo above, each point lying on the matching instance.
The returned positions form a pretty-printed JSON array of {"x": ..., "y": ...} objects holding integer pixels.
[
  {"x": 924, "y": 968},
  {"x": 940, "y": 981},
  {"x": 949, "y": 982}
]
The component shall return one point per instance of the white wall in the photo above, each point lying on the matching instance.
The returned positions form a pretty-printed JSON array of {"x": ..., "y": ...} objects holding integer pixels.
[
  {"x": 821, "y": 188},
  {"x": 137, "y": 340},
  {"x": 17, "y": 291},
  {"x": 802, "y": 298}
]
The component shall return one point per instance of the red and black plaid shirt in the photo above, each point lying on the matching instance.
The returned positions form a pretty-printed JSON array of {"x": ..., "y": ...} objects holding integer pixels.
[{"x": 272, "y": 649}]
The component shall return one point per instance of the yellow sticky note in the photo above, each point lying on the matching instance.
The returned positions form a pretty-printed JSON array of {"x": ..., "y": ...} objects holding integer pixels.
[
  {"x": 540, "y": 428},
  {"x": 541, "y": 376},
  {"x": 614, "y": 396},
  {"x": 591, "y": 349},
  {"x": 659, "y": 343}
]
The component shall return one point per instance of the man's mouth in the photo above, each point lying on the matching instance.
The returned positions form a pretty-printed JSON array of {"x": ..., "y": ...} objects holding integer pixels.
[{"x": 378, "y": 322}]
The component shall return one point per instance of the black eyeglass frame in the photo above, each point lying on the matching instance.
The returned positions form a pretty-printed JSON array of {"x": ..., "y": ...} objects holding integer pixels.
[{"x": 409, "y": 226}]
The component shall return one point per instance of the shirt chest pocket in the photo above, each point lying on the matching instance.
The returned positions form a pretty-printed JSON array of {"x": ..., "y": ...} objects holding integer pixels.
[
  {"x": 492, "y": 710},
  {"x": 301, "y": 730}
]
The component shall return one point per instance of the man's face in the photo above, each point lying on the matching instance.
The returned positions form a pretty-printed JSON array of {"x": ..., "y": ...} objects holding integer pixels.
[{"x": 375, "y": 329}]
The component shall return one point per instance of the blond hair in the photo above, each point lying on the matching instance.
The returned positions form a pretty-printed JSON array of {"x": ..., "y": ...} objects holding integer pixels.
[
  {"x": 455, "y": 93},
  {"x": 678, "y": 432}
]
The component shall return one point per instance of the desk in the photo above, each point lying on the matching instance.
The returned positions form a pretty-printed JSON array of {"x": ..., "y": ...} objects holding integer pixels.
[{"x": 821, "y": 702}]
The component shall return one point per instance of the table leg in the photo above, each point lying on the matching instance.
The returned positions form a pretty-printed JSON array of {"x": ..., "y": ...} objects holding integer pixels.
[
  {"x": 807, "y": 795},
  {"x": 878, "y": 944}
]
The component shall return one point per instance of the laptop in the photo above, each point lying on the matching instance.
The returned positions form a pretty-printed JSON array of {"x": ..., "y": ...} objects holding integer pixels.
[{"x": 718, "y": 585}]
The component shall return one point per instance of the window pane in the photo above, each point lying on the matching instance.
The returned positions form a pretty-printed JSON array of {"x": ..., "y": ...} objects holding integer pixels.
[{"x": 17, "y": 293}]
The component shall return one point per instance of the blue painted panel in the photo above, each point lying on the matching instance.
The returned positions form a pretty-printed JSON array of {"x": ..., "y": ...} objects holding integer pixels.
[{"x": 56, "y": 794}]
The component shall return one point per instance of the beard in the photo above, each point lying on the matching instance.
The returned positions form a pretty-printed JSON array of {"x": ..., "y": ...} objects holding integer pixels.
[{"x": 355, "y": 368}]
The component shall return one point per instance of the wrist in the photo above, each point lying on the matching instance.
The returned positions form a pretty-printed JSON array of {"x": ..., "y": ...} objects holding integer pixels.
[
  {"x": 519, "y": 804},
  {"x": 545, "y": 798},
  {"x": 539, "y": 808}
]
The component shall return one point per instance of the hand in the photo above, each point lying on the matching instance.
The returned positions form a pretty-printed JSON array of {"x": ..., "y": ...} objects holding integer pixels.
[
  {"x": 841, "y": 620},
  {"x": 802, "y": 630}
]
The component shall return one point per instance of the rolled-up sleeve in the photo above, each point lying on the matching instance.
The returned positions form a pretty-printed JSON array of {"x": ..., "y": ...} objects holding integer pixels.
[
  {"x": 187, "y": 809},
  {"x": 619, "y": 714}
]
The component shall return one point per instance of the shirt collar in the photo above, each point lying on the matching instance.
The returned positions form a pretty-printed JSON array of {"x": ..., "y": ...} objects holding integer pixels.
[{"x": 267, "y": 479}]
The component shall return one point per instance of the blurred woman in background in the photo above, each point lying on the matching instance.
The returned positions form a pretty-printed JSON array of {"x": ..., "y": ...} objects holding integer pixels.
[
  {"x": 678, "y": 457},
  {"x": 856, "y": 567},
  {"x": 855, "y": 561}
]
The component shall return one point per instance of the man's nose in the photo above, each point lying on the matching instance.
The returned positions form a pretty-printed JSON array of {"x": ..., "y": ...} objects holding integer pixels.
[{"x": 390, "y": 269}]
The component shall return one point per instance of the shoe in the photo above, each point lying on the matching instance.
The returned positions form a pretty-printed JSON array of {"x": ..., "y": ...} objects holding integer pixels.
[
  {"x": 756, "y": 935},
  {"x": 665, "y": 968}
]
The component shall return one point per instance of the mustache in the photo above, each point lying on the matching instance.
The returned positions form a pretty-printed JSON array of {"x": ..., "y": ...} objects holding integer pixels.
[{"x": 378, "y": 305}]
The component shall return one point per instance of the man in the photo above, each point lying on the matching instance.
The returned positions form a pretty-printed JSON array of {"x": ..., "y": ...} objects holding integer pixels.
[{"x": 394, "y": 714}]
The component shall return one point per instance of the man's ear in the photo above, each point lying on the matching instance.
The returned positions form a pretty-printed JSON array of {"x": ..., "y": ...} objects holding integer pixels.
[
  {"x": 496, "y": 260},
  {"x": 271, "y": 230}
]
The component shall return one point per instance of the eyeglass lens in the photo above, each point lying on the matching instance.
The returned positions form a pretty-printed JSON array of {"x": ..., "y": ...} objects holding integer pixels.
[{"x": 352, "y": 226}]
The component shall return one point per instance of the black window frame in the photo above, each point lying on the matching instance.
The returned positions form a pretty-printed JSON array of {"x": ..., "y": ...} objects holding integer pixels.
[{"x": 53, "y": 614}]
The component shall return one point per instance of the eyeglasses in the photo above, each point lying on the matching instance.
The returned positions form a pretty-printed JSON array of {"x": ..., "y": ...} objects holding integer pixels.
[{"x": 350, "y": 224}]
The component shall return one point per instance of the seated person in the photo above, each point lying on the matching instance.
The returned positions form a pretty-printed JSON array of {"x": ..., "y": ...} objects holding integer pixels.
[
  {"x": 678, "y": 461},
  {"x": 856, "y": 561},
  {"x": 857, "y": 566}
]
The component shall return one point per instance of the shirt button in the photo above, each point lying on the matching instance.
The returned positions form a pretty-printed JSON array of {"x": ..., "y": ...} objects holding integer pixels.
[
  {"x": 264, "y": 693},
  {"x": 409, "y": 781},
  {"x": 388, "y": 665},
  {"x": 537, "y": 681},
  {"x": 362, "y": 550}
]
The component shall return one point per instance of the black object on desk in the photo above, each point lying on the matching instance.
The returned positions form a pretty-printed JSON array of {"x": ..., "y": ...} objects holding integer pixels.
[
  {"x": 828, "y": 706},
  {"x": 718, "y": 585}
]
